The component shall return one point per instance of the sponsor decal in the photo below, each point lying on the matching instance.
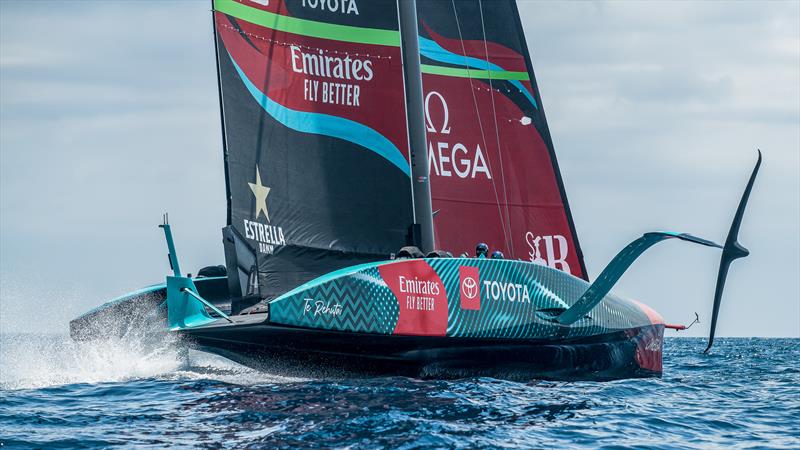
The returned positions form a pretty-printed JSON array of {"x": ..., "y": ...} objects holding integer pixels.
[
  {"x": 654, "y": 345},
  {"x": 266, "y": 236},
  {"x": 337, "y": 6},
  {"x": 321, "y": 308},
  {"x": 332, "y": 77},
  {"x": 318, "y": 64},
  {"x": 470, "y": 290},
  {"x": 648, "y": 347},
  {"x": 451, "y": 159},
  {"x": 420, "y": 295},
  {"x": 505, "y": 291},
  {"x": 551, "y": 251},
  {"x": 420, "y": 289}
]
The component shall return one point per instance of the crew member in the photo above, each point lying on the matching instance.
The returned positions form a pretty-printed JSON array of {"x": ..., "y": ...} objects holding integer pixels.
[
  {"x": 481, "y": 250},
  {"x": 497, "y": 254}
]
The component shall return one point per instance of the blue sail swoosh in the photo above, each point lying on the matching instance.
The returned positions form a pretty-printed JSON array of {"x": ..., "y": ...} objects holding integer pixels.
[
  {"x": 327, "y": 125},
  {"x": 432, "y": 50}
]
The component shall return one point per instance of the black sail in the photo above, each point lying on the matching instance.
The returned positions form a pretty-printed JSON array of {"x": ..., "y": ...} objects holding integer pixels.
[{"x": 316, "y": 156}]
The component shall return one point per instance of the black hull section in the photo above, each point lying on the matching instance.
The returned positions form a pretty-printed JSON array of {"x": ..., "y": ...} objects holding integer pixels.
[{"x": 307, "y": 352}]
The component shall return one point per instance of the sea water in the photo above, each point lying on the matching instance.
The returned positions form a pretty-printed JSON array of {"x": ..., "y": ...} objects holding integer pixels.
[{"x": 56, "y": 393}]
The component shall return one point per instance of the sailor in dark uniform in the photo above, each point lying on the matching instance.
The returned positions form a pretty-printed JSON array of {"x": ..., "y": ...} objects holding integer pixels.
[{"x": 481, "y": 250}]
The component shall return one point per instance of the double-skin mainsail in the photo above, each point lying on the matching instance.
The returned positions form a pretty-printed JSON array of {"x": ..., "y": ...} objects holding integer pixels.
[{"x": 317, "y": 159}]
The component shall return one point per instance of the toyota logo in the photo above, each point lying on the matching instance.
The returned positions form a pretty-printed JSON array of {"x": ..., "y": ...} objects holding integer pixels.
[{"x": 469, "y": 287}]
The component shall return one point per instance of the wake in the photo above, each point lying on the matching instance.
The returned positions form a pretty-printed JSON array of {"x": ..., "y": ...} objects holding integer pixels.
[
  {"x": 35, "y": 361},
  {"x": 31, "y": 361}
]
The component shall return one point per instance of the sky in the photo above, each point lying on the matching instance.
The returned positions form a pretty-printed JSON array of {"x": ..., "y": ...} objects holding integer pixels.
[{"x": 109, "y": 117}]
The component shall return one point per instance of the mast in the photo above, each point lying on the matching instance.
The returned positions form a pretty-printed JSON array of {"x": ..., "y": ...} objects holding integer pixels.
[{"x": 420, "y": 181}]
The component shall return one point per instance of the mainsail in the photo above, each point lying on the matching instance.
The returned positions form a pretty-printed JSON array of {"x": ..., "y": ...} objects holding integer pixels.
[
  {"x": 494, "y": 174},
  {"x": 316, "y": 157}
]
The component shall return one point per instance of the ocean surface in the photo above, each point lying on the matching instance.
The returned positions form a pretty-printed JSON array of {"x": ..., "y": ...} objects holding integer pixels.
[{"x": 58, "y": 394}]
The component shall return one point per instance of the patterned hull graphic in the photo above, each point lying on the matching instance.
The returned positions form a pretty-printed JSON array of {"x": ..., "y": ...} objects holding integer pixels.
[{"x": 466, "y": 298}]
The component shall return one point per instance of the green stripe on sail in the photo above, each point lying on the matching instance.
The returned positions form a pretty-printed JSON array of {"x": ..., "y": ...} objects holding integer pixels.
[
  {"x": 474, "y": 73},
  {"x": 308, "y": 27}
]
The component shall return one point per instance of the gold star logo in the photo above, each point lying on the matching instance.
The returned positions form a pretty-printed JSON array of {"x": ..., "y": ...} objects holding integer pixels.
[{"x": 261, "y": 192}]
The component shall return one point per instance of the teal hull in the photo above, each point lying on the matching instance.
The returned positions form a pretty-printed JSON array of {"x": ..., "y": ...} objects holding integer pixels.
[{"x": 435, "y": 317}]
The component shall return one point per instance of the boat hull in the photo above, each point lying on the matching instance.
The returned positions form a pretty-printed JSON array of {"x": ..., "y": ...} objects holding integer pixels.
[
  {"x": 439, "y": 317},
  {"x": 303, "y": 352}
]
